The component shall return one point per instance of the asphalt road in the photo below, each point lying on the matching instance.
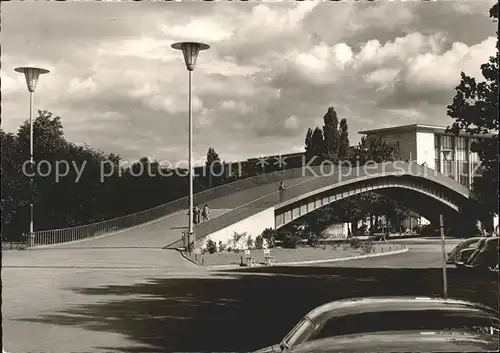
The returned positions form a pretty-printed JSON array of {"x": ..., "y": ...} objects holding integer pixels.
[{"x": 154, "y": 310}]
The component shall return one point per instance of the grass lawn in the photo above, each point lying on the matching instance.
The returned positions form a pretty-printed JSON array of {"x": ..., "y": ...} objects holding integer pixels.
[{"x": 286, "y": 255}]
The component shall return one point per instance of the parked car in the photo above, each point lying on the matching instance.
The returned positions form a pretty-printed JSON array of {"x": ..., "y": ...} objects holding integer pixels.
[
  {"x": 485, "y": 256},
  {"x": 454, "y": 255},
  {"x": 466, "y": 253},
  {"x": 363, "y": 316},
  {"x": 403, "y": 341}
]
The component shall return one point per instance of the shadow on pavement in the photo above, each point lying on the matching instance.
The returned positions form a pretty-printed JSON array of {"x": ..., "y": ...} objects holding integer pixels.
[{"x": 248, "y": 309}]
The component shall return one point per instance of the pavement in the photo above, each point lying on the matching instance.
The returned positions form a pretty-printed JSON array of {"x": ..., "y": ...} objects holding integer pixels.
[
  {"x": 41, "y": 282},
  {"x": 143, "y": 300}
]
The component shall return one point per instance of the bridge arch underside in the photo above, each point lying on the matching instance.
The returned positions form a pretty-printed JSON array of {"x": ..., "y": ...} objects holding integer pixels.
[{"x": 421, "y": 195}]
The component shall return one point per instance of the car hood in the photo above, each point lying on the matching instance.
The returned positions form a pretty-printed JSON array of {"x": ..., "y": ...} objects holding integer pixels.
[{"x": 403, "y": 341}]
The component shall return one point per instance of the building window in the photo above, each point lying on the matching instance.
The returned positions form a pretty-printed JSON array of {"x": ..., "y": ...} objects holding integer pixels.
[
  {"x": 461, "y": 149},
  {"x": 448, "y": 169},
  {"x": 463, "y": 171},
  {"x": 437, "y": 149},
  {"x": 447, "y": 142}
]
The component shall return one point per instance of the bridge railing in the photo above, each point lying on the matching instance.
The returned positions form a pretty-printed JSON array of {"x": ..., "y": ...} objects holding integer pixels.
[
  {"x": 264, "y": 202},
  {"x": 326, "y": 178},
  {"x": 56, "y": 236},
  {"x": 64, "y": 235}
]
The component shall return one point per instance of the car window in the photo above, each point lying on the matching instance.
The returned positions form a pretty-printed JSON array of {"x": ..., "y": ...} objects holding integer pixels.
[
  {"x": 405, "y": 320},
  {"x": 300, "y": 333},
  {"x": 479, "y": 244}
]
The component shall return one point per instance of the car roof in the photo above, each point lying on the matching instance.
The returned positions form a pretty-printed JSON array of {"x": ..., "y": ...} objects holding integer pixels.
[
  {"x": 403, "y": 341},
  {"x": 402, "y": 303}
]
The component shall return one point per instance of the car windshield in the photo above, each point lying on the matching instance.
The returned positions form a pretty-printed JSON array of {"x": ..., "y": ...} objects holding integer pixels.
[
  {"x": 406, "y": 320},
  {"x": 300, "y": 333},
  {"x": 479, "y": 244}
]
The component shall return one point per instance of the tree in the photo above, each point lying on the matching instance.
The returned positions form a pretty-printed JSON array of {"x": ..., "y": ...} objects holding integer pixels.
[
  {"x": 375, "y": 150},
  {"x": 343, "y": 148},
  {"x": 331, "y": 135},
  {"x": 318, "y": 145},
  {"x": 308, "y": 144},
  {"x": 213, "y": 164},
  {"x": 13, "y": 182},
  {"x": 475, "y": 110}
]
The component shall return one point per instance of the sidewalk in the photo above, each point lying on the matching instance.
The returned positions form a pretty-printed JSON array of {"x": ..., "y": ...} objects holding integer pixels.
[{"x": 294, "y": 256}]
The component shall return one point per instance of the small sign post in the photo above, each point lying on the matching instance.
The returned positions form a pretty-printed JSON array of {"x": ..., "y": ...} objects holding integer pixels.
[{"x": 443, "y": 250}]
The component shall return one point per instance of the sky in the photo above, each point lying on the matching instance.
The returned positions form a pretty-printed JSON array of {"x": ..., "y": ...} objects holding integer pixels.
[{"x": 271, "y": 73}]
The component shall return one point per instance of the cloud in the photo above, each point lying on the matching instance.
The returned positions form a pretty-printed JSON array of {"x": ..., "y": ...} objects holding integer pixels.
[
  {"x": 432, "y": 77},
  {"x": 271, "y": 72}
]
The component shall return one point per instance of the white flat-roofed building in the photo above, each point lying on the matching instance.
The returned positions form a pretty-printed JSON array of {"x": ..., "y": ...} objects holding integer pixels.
[{"x": 447, "y": 153}]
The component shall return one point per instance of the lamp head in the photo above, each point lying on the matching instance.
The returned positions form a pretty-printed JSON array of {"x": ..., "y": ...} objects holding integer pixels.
[
  {"x": 190, "y": 51},
  {"x": 31, "y": 74}
]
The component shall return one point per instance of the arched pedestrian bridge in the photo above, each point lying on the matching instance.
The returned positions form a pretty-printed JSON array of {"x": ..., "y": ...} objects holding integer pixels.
[{"x": 255, "y": 203}]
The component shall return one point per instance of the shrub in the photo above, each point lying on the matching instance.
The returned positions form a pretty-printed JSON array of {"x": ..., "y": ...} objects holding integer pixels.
[
  {"x": 429, "y": 230},
  {"x": 222, "y": 246},
  {"x": 367, "y": 247},
  {"x": 229, "y": 249},
  {"x": 354, "y": 243},
  {"x": 259, "y": 242},
  {"x": 211, "y": 246},
  {"x": 250, "y": 242},
  {"x": 290, "y": 240},
  {"x": 313, "y": 240},
  {"x": 237, "y": 237},
  {"x": 270, "y": 235}
]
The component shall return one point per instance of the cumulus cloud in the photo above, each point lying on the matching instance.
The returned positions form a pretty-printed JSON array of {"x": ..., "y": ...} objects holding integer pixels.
[{"x": 271, "y": 72}]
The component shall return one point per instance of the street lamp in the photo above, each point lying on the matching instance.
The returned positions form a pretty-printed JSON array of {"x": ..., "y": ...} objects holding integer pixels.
[
  {"x": 190, "y": 51},
  {"x": 31, "y": 74}
]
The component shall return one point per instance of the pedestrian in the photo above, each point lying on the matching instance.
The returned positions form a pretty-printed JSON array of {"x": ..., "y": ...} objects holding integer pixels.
[
  {"x": 196, "y": 214},
  {"x": 282, "y": 186},
  {"x": 205, "y": 213}
]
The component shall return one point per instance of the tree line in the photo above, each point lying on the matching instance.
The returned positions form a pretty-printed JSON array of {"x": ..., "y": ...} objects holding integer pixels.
[{"x": 65, "y": 203}]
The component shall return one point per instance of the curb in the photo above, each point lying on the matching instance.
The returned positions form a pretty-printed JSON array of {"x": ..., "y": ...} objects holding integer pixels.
[
  {"x": 183, "y": 254},
  {"x": 359, "y": 257},
  {"x": 387, "y": 253}
]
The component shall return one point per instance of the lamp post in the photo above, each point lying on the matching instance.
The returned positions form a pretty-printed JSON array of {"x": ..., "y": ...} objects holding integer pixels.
[
  {"x": 190, "y": 51},
  {"x": 31, "y": 74}
]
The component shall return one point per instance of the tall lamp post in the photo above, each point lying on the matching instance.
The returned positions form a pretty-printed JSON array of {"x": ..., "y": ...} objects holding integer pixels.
[
  {"x": 31, "y": 74},
  {"x": 190, "y": 51}
]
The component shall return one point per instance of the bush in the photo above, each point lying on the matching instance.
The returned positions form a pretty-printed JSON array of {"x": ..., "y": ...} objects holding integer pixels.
[
  {"x": 250, "y": 242},
  {"x": 363, "y": 230},
  {"x": 354, "y": 243},
  {"x": 289, "y": 240},
  {"x": 270, "y": 235},
  {"x": 229, "y": 249},
  {"x": 313, "y": 240},
  {"x": 367, "y": 247},
  {"x": 259, "y": 242},
  {"x": 222, "y": 246},
  {"x": 237, "y": 237},
  {"x": 429, "y": 230},
  {"x": 211, "y": 246}
]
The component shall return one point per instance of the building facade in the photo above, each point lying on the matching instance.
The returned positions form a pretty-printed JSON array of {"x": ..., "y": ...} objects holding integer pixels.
[{"x": 448, "y": 154}]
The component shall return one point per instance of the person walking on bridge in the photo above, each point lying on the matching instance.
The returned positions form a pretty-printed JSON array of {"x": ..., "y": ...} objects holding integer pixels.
[
  {"x": 196, "y": 214},
  {"x": 205, "y": 213}
]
